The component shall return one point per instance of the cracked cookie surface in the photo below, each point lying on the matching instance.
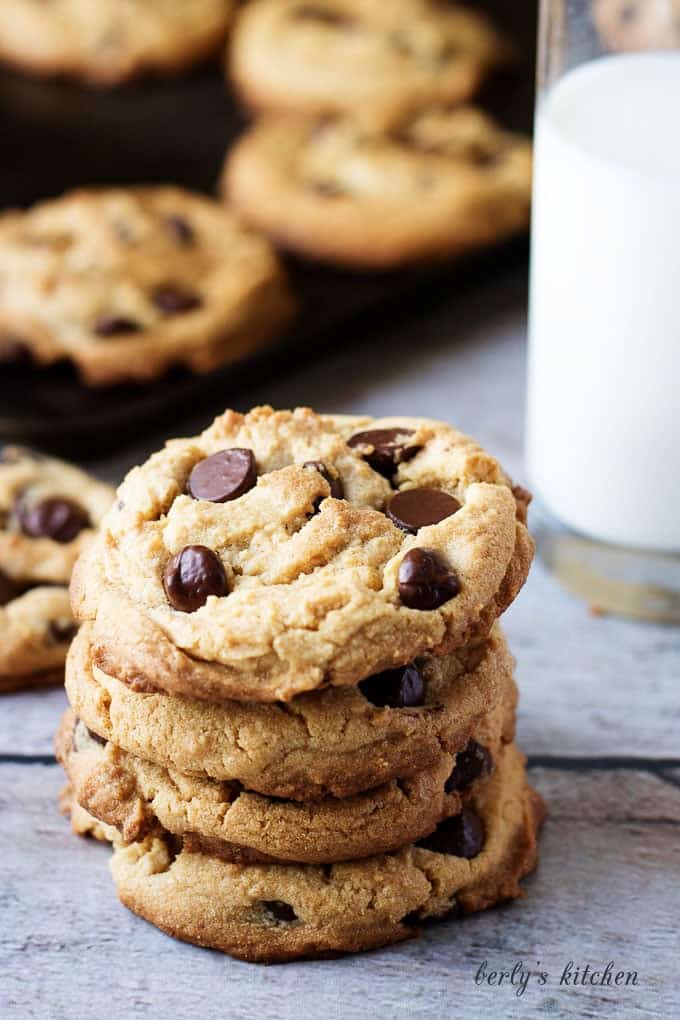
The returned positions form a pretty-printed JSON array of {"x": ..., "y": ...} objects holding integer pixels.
[
  {"x": 328, "y": 743},
  {"x": 139, "y": 798},
  {"x": 49, "y": 511},
  {"x": 283, "y": 912},
  {"x": 108, "y": 41},
  {"x": 126, "y": 283},
  {"x": 294, "y": 56},
  {"x": 375, "y": 191},
  {"x": 259, "y": 585}
]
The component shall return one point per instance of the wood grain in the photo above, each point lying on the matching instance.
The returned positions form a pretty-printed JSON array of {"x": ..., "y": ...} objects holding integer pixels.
[{"x": 606, "y": 889}]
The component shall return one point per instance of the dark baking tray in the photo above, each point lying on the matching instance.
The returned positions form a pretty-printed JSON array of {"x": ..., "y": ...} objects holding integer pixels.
[{"x": 58, "y": 136}]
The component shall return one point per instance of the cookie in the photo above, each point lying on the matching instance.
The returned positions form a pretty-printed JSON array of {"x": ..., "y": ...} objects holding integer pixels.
[
  {"x": 282, "y": 912},
  {"x": 336, "y": 742},
  {"x": 638, "y": 24},
  {"x": 139, "y": 798},
  {"x": 329, "y": 55},
  {"x": 380, "y": 192},
  {"x": 243, "y": 577},
  {"x": 109, "y": 41},
  {"x": 48, "y": 513},
  {"x": 128, "y": 282}
]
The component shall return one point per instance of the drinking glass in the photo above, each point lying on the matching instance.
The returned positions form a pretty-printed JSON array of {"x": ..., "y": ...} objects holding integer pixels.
[{"x": 603, "y": 405}]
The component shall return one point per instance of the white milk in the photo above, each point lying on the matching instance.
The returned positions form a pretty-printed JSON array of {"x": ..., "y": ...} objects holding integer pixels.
[{"x": 604, "y": 354}]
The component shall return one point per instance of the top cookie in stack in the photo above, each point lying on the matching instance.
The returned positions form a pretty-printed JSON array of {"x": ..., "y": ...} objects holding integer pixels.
[{"x": 284, "y": 552}]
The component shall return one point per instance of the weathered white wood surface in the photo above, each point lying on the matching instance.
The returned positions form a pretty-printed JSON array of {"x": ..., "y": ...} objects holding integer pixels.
[
  {"x": 606, "y": 889},
  {"x": 592, "y": 688}
]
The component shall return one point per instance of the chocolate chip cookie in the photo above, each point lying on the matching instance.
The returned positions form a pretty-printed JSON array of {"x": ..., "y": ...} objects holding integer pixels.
[
  {"x": 128, "y": 282},
  {"x": 49, "y": 511},
  {"x": 275, "y": 912},
  {"x": 329, "y": 55},
  {"x": 378, "y": 192},
  {"x": 243, "y": 577},
  {"x": 336, "y": 742},
  {"x": 139, "y": 798},
  {"x": 108, "y": 41}
]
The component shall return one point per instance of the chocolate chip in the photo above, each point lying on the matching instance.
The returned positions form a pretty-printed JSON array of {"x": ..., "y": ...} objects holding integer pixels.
[
  {"x": 280, "y": 911},
  {"x": 58, "y": 519},
  {"x": 13, "y": 350},
  {"x": 461, "y": 836},
  {"x": 395, "y": 688},
  {"x": 9, "y": 589},
  {"x": 191, "y": 576},
  {"x": 425, "y": 581},
  {"x": 115, "y": 325},
  {"x": 224, "y": 476},
  {"x": 172, "y": 299},
  {"x": 59, "y": 632},
  {"x": 181, "y": 229},
  {"x": 412, "y": 509},
  {"x": 327, "y": 189},
  {"x": 384, "y": 449},
  {"x": 335, "y": 483},
  {"x": 471, "y": 763},
  {"x": 628, "y": 13},
  {"x": 325, "y": 15}
]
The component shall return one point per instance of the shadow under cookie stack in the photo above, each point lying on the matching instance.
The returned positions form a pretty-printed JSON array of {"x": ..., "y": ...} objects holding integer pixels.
[{"x": 292, "y": 709}]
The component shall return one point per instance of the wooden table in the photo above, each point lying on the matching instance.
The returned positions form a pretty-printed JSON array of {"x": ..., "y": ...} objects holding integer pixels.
[{"x": 599, "y": 718}]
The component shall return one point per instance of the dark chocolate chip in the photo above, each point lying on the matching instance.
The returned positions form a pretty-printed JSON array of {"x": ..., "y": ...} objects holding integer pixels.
[
  {"x": 191, "y": 576},
  {"x": 14, "y": 350},
  {"x": 181, "y": 229},
  {"x": 384, "y": 449},
  {"x": 224, "y": 476},
  {"x": 327, "y": 189},
  {"x": 280, "y": 911},
  {"x": 425, "y": 581},
  {"x": 58, "y": 519},
  {"x": 461, "y": 836},
  {"x": 325, "y": 15},
  {"x": 9, "y": 589},
  {"x": 395, "y": 688},
  {"x": 335, "y": 483},
  {"x": 59, "y": 632},
  {"x": 115, "y": 325},
  {"x": 172, "y": 299},
  {"x": 471, "y": 763},
  {"x": 412, "y": 509},
  {"x": 412, "y": 920}
]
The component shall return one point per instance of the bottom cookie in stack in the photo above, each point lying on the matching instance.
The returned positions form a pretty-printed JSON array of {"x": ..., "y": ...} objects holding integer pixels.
[
  {"x": 277, "y": 912},
  {"x": 261, "y": 847}
]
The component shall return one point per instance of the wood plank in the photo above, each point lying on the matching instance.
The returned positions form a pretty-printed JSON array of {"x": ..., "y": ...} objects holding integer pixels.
[{"x": 606, "y": 890}]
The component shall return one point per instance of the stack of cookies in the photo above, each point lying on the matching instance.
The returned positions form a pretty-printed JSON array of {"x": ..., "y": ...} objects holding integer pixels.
[
  {"x": 49, "y": 511},
  {"x": 292, "y": 708}
]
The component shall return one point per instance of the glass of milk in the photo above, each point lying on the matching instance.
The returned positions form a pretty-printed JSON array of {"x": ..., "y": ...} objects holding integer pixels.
[{"x": 603, "y": 421}]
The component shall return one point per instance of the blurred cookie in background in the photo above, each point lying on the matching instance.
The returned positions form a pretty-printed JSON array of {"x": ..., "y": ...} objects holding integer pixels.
[
  {"x": 49, "y": 511},
  {"x": 128, "y": 282},
  {"x": 104, "y": 42},
  {"x": 376, "y": 191},
  {"x": 638, "y": 24},
  {"x": 335, "y": 55}
]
